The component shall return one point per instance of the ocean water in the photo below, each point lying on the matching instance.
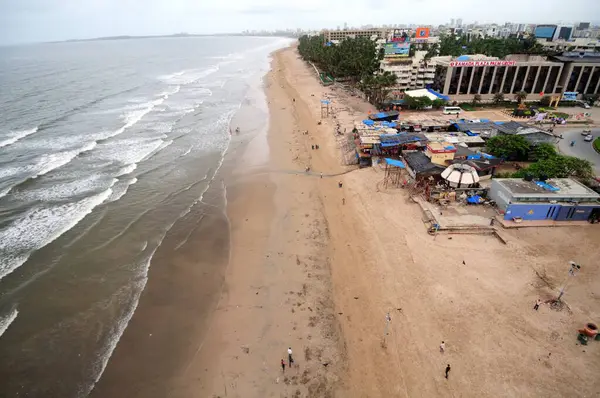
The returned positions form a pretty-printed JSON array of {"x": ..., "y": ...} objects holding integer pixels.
[{"x": 104, "y": 147}]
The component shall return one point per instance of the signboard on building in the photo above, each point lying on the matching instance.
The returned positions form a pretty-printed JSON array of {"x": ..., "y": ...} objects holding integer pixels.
[
  {"x": 422, "y": 33},
  {"x": 400, "y": 36},
  {"x": 454, "y": 64},
  {"x": 398, "y": 49},
  {"x": 569, "y": 96}
]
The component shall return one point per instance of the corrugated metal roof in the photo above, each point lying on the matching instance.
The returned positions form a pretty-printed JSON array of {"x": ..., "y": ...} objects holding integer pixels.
[{"x": 420, "y": 163}]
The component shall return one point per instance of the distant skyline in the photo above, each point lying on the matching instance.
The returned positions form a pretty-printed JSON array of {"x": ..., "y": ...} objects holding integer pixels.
[{"x": 27, "y": 21}]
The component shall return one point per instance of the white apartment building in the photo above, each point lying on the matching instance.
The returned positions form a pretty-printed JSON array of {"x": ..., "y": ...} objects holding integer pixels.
[
  {"x": 579, "y": 44},
  {"x": 412, "y": 73},
  {"x": 339, "y": 35}
]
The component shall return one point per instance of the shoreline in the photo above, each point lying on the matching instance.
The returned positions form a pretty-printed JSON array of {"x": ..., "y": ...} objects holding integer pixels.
[{"x": 277, "y": 289}]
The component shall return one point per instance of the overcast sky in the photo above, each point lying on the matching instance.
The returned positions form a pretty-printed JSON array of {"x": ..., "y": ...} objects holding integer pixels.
[{"x": 24, "y": 21}]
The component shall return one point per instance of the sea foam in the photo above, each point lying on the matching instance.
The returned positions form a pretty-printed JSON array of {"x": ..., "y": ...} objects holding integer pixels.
[
  {"x": 39, "y": 227},
  {"x": 15, "y": 136}
]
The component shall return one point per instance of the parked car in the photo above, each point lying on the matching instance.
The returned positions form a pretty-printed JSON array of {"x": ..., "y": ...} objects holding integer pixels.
[
  {"x": 584, "y": 104},
  {"x": 588, "y": 138},
  {"x": 586, "y": 131}
]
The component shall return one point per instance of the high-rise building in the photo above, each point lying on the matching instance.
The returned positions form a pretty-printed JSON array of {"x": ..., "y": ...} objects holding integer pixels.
[
  {"x": 451, "y": 21},
  {"x": 545, "y": 31},
  {"x": 583, "y": 25},
  {"x": 563, "y": 33},
  {"x": 459, "y": 22}
]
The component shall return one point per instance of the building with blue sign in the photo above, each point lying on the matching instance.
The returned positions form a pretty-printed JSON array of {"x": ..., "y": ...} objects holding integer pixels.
[{"x": 560, "y": 199}]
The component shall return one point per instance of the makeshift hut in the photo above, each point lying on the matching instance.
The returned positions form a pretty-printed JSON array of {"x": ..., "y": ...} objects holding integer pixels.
[{"x": 393, "y": 172}]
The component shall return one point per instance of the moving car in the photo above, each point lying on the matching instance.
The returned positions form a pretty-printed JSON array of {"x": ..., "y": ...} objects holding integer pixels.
[
  {"x": 586, "y": 131},
  {"x": 588, "y": 138}
]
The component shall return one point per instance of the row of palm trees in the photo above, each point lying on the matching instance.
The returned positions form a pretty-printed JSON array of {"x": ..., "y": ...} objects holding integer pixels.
[{"x": 356, "y": 60}]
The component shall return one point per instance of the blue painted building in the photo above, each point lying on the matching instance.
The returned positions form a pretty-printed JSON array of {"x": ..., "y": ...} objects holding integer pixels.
[{"x": 561, "y": 199}]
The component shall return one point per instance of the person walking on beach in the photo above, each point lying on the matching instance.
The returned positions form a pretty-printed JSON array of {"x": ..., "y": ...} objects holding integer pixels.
[
  {"x": 442, "y": 347},
  {"x": 312, "y": 147},
  {"x": 343, "y": 201},
  {"x": 447, "y": 370},
  {"x": 321, "y": 175},
  {"x": 537, "y": 304},
  {"x": 283, "y": 365},
  {"x": 290, "y": 359}
]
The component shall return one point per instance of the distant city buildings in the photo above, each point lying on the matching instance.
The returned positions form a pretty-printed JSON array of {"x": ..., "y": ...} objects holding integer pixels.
[{"x": 405, "y": 46}]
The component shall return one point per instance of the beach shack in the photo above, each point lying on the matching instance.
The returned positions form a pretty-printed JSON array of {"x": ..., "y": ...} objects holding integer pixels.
[
  {"x": 419, "y": 166},
  {"x": 440, "y": 152}
]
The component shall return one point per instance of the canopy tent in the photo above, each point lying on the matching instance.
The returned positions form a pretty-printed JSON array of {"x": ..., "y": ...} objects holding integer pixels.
[
  {"x": 460, "y": 175},
  {"x": 426, "y": 92}
]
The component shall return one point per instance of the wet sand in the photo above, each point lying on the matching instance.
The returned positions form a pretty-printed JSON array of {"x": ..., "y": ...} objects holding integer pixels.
[{"x": 278, "y": 289}]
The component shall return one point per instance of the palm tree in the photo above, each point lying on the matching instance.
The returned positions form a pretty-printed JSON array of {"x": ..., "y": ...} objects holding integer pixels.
[
  {"x": 521, "y": 96},
  {"x": 498, "y": 97},
  {"x": 476, "y": 99}
]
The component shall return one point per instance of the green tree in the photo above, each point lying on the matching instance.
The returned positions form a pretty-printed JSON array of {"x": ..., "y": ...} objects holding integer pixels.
[
  {"x": 352, "y": 58},
  {"x": 476, "y": 99},
  {"x": 438, "y": 103},
  {"x": 377, "y": 86},
  {"x": 491, "y": 46},
  {"x": 432, "y": 51},
  {"x": 545, "y": 101},
  {"x": 417, "y": 102},
  {"x": 510, "y": 147},
  {"x": 544, "y": 151},
  {"x": 558, "y": 166},
  {"x": 520, "y": 96},
  {"x": 498, "y": 98}
]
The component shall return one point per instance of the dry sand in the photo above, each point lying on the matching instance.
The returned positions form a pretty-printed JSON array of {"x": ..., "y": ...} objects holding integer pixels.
[{"x": 309, "y": 272}]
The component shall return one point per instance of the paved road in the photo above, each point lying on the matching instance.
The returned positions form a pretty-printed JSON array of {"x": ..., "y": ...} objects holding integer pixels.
[{"x": 581, "y": 149}]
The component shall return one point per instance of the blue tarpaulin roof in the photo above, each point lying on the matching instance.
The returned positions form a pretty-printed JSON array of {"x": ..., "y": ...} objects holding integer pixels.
[
  {"x": 368, "y": 122},
  {"x": 326, "y": 102},
  {"x": 471, "y": 134},
  {"x": 441, "y": 96},
  {"x": 394, "y": 162},
  {"x": 479, "y": 156}
]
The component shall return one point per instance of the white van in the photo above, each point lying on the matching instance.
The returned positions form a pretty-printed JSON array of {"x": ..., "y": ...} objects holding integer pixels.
[{"x": 452, "y": 110}]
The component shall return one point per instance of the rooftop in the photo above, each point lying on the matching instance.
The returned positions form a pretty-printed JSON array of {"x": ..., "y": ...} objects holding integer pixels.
[
  {"x": 586, "y": 57},
  {"x": 455, "y": 139},
  {"x": 438, "y": 146},
  {"x": 420, "y": 163},
  {"x": 567, "y": 188}
]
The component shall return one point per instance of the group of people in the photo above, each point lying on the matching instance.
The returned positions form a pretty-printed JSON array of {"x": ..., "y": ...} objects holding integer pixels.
[
  {"x": 315, "y": 146},
  {"x": 290, "y": 360}
]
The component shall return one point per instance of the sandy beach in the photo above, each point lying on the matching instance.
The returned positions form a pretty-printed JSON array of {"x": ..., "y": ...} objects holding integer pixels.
[{"x": 317, "y": 268}]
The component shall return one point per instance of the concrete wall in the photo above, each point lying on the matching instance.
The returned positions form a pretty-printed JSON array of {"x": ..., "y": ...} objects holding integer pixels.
[
  {"x": 533, "y": 211},
  {"x": 549, "y": 211},
  {"x": 500, "y": 195}
]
